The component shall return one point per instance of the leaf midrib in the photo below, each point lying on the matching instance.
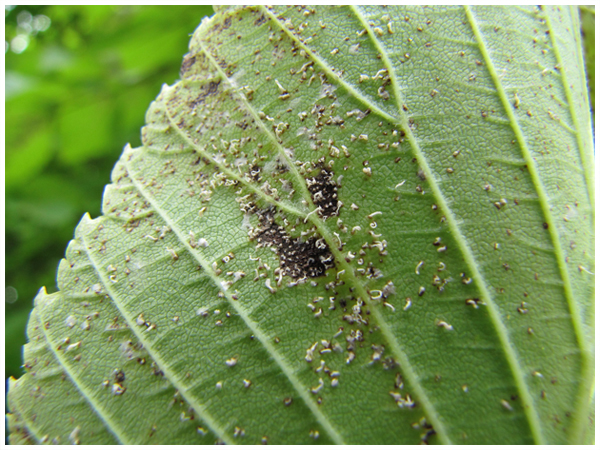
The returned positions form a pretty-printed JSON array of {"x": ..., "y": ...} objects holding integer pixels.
[{"x": 402, "y": 357}]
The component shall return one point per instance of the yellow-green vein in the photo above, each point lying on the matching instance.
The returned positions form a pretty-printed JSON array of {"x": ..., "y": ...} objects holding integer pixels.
[
  {"x": 410, "y": 374},
  {"x": 303, "y": 391},
  {"x": 584, "y": 147},
  {"x": 176, "y": 381},
  {"x": 102, "y": 414},
  {"x": 544, "y": 201},
  {"x": 586, "y": 387}
]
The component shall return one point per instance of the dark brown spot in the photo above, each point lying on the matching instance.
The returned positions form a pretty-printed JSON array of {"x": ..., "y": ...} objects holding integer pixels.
[
  {"x": 298, "y": 259},
  {"x": 208, "y": 89},
  {"x": 262, "y": 19},
  {"x": 119, "y": 376},
  {"x": 188, "y": 62},
  {"x": 323, "y": 190}
]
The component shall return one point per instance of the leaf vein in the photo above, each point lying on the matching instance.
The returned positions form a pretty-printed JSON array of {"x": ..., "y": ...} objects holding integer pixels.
[
  {"x": 262, "y": 124},
  {"x": 546, "y": 210},
  {"x": 112, "y": 427},
  {"x": 587, "y": 383},
  {"x": 583, "y": 153},
  {"x": 149, "y": 346},
  {"x": 252, "y": 325}
]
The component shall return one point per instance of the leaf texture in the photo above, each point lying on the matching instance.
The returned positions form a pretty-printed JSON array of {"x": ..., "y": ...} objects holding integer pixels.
[{"x": 345, "y": 225}]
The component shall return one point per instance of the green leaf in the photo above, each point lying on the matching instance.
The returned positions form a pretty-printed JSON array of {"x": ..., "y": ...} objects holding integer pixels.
[
  {"x": 588, "y": 31},
  {"x": 345, "y": 225}
]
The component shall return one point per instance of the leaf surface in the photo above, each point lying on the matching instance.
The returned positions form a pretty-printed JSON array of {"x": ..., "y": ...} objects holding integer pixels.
[{"x": 345, "y": 225}]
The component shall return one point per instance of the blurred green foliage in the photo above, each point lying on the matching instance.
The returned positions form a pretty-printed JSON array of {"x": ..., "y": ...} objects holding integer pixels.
[{"x": 78, "y": 82}]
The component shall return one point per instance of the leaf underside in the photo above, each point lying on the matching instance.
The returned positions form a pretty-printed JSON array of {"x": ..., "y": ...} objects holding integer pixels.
[{"x": 345, "y": 225}]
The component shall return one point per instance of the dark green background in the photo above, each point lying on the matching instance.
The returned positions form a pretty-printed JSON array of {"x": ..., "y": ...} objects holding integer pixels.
[{"x": 74, "y": 97}]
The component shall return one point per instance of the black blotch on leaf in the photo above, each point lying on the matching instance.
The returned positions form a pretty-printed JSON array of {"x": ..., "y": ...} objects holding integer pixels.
[
  {"x": 323, "y": 190},
  {"x": 297, "y": 258}
]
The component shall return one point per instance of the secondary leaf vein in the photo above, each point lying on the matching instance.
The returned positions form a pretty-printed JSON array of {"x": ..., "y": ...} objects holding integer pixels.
[
  {"x": 170, "y": 374},
  {"x": 303, "y": 392}
]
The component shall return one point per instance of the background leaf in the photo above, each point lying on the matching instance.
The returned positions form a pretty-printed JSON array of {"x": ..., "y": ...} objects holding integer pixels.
[
  {"x": 411, "y": 189},
  {"x": 588, "y": 31}
]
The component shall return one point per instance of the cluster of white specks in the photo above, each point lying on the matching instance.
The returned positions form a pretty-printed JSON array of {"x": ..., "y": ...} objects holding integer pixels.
[
  {"x": 70, "y": 321},
  {"x": 474, "y": 302},
  {"x": 231, "y": 361},
  {"x": 445, "y": 325},
  {"x": 523, "y": 308},
  {"x": 310, "y": 351},
  {"x": 316, "y": 389},
  {"x": 403, "y": 401},
  {"x": 74, "y": 436},
  {"x": 377, "y": 352},
  {"x": 428, "y": 430},
  {"x": 439, "y": 282}
]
